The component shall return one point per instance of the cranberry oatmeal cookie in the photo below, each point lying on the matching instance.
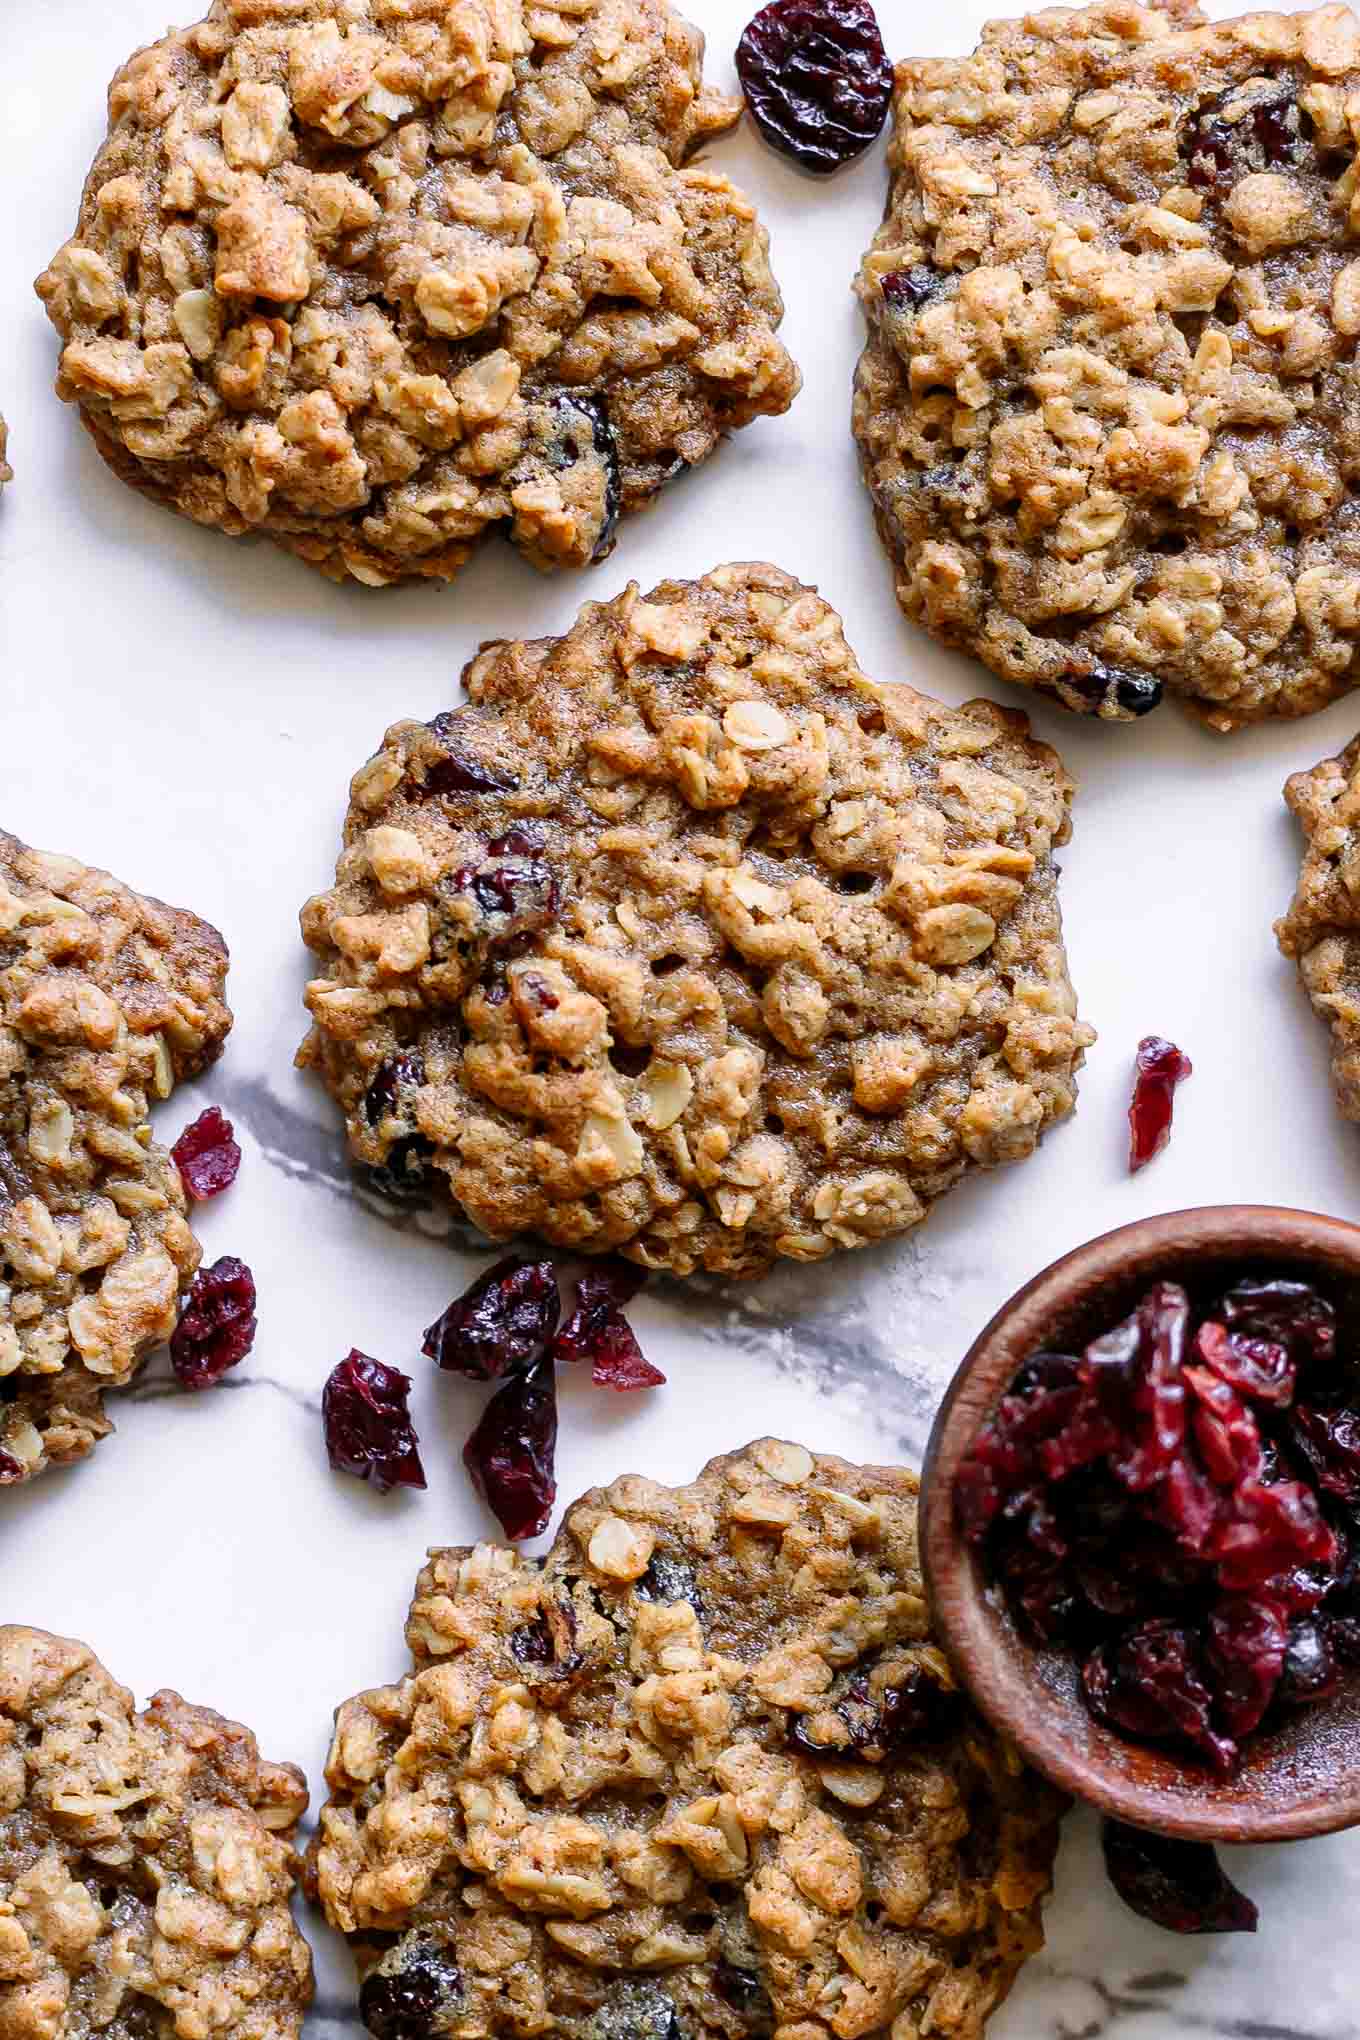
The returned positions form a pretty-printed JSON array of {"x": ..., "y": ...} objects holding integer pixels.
[
  {"x": 699, "y": 1771},
  {"x": 372, "y": 276},
  {"x": 689, "y": 941},
  {"x": 1107, "y": 406},
  {"x": 1321, "y": 931},
  {"x": 146, "y": 1862},
  {"x": 107, "y": 1001}
]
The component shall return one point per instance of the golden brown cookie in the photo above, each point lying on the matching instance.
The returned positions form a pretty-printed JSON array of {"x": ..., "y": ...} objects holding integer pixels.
[
  {"x": 374, "y": 278},
  {"x": 1106, "y": 408},
  {"x": 108, "y": 1000},
  {"x": 701, "y": 1771},
  {"x": 689, "y": 941},
  {"x": 146, "y": 1861}
]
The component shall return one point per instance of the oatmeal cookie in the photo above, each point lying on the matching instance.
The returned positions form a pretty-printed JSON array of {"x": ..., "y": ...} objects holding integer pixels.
[
  {"x": 146, "y": 1862},
  {"x": 700, "y": 1771},
  {"x": 1321, "y": 931},
  {"x": 689, "y": 941},
  {"x": 1107, "y": 408},
  {"x": 371, "y": 277},
  {"x": 107, "y": 1001}
]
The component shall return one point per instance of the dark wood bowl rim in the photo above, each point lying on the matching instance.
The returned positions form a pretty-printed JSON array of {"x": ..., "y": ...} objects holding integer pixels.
[{"x": 1313, "y": 1796}]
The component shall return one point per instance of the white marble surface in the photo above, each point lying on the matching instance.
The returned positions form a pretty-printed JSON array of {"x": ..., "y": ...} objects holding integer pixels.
[{"x": 188, "y": 712}]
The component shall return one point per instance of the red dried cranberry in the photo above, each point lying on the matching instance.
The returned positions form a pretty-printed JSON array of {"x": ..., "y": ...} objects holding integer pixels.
[
  {"x": 1245, "y": 1652},
  {"x": 405, "y": 1177},
  {"x": 1272, "y": 1527},
  {"x": 1259, "y": 1368},
  {"x": 1288, "y": 1313},
  {"x": 1225, "y": 1429},
  {"x": 510, "y": 1455},
  {"x": 1151, "y": 1392},
  {"x": 368, "y": 1424},
  {"x": 498, "y": 1325},
  {"x": 1330, "y": 1442},
  {"x": 521, "y": 839},
  {"x": 1161, "y": 1066},
  {"x": 916, "y": 1709},
  {"x": 1111, "y": 692},
  {"x": 817, "y": 79},
  {"x": 740, "y": 1988},
  {"x": 581, "y": 430},
  {"x": 1177, "y": 1885},
  {"x": 411, "y": 2000},
  {"x": 1310, "y": 1671},
  {"x": 207, "y": 1156},
  {"x": 520, "y": 897},
  {"x": 1207, "y": 147},
  {"x": 10, "y": 1470},
  {"x": 598, "y": 1331},
  {"x": 906, "y": 290},
  {"x": 1151, "y": 1683},
  {"x": 217, "y": 1325},
  {"x": 399, "y": 1074},
  {"x": 460, "y": 770},
  {"x": 550, "y": 1640}
]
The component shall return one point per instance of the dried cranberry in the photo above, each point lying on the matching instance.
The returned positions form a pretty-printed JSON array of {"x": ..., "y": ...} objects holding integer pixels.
[
  {"x": 217, "y": 1325},
  {"x": 498, "y": 1325},
  {"x": 549, "y": 1641},
  {"x": 582, "y": 431},
  {"x": 1109, "y": 691},
  {"x": 1207, "y": 147},
  {"x": 1177, "y": 1885},
  {"x": 1151, "y": 1683},
  {"x": 405, "y": 1177},
  {"x": 460, "y": 770},
  {"x": 399, "y": 1074},
  {"x": 368, "y": 1424},
  {"x": 1291, "y": 1314},
  {"x": 598, "y": 1331},
  {"x": 1246, "y": 1653},
  {"x": 1330, "y": 1442},
  {"x": 519, "y": 896},
  {"x": 207, "y": 1156},
  {"x": 521, "y": 839},
  {"x": 511, "y": 1453},
  {"x": 411, "y": 2002},
  {"x": 906, "y": 290},
  {"x": 1224, "y": 1428},
  {"x": 670, "y": 1579},
  {"x": 10, "y": 1470},
  {"x": 1271, "y": 1528},
  {"x": 817, "y": 79},
  {"x": 1161, "y": 1066},
  {"x": 1261, "y": 1369},
  {"x": 1309, "y": 1671},
  {"x": 916, "y": 1709},
  {"x": 740, "y": 1987}
]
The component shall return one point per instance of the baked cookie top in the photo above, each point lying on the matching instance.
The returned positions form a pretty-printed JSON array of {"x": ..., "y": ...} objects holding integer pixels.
[
  {"x": 107, "y": 1001},
  {"x": 686, "y": 939},
  {"x": 372, "y": 277},
  {"x": 1321, "y": 931},
  {"x": 146, "y": 1862},
  {"x": 700, "y": 1771},
  {"x": 1106, "y": 407}
]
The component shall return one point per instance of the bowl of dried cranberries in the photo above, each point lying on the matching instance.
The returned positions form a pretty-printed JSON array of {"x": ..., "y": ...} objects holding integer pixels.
[{"x": 1141, "y": 1523}]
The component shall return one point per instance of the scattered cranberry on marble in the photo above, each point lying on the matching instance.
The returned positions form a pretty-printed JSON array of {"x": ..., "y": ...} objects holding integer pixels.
[
  {"x": 511, "y": 1455},
  {"x": 1160, "y": 1066},
  {"x": 368, "y": 1423},
  {"x": 217, "y": 1325},
  {"x": 207, "y": 1156},
  {"x": 1175, "y": 1884}
]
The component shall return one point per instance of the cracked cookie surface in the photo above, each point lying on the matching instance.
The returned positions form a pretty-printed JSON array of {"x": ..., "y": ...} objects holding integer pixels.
[
  {"x": 108, "y": 999},
  {"x": 1321, "y": 931},
  {"x": 700, "y": 1771},
  {"x": 146, "y": 1862},
  {"x": 687, "y": 940},
  {"x": 1107, "y": 408},
  {"x": 373, "y": 278}
]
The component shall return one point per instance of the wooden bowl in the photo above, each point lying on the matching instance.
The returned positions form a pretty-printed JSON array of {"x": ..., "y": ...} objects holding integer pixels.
[{"x": 1303, "y": 1779}]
